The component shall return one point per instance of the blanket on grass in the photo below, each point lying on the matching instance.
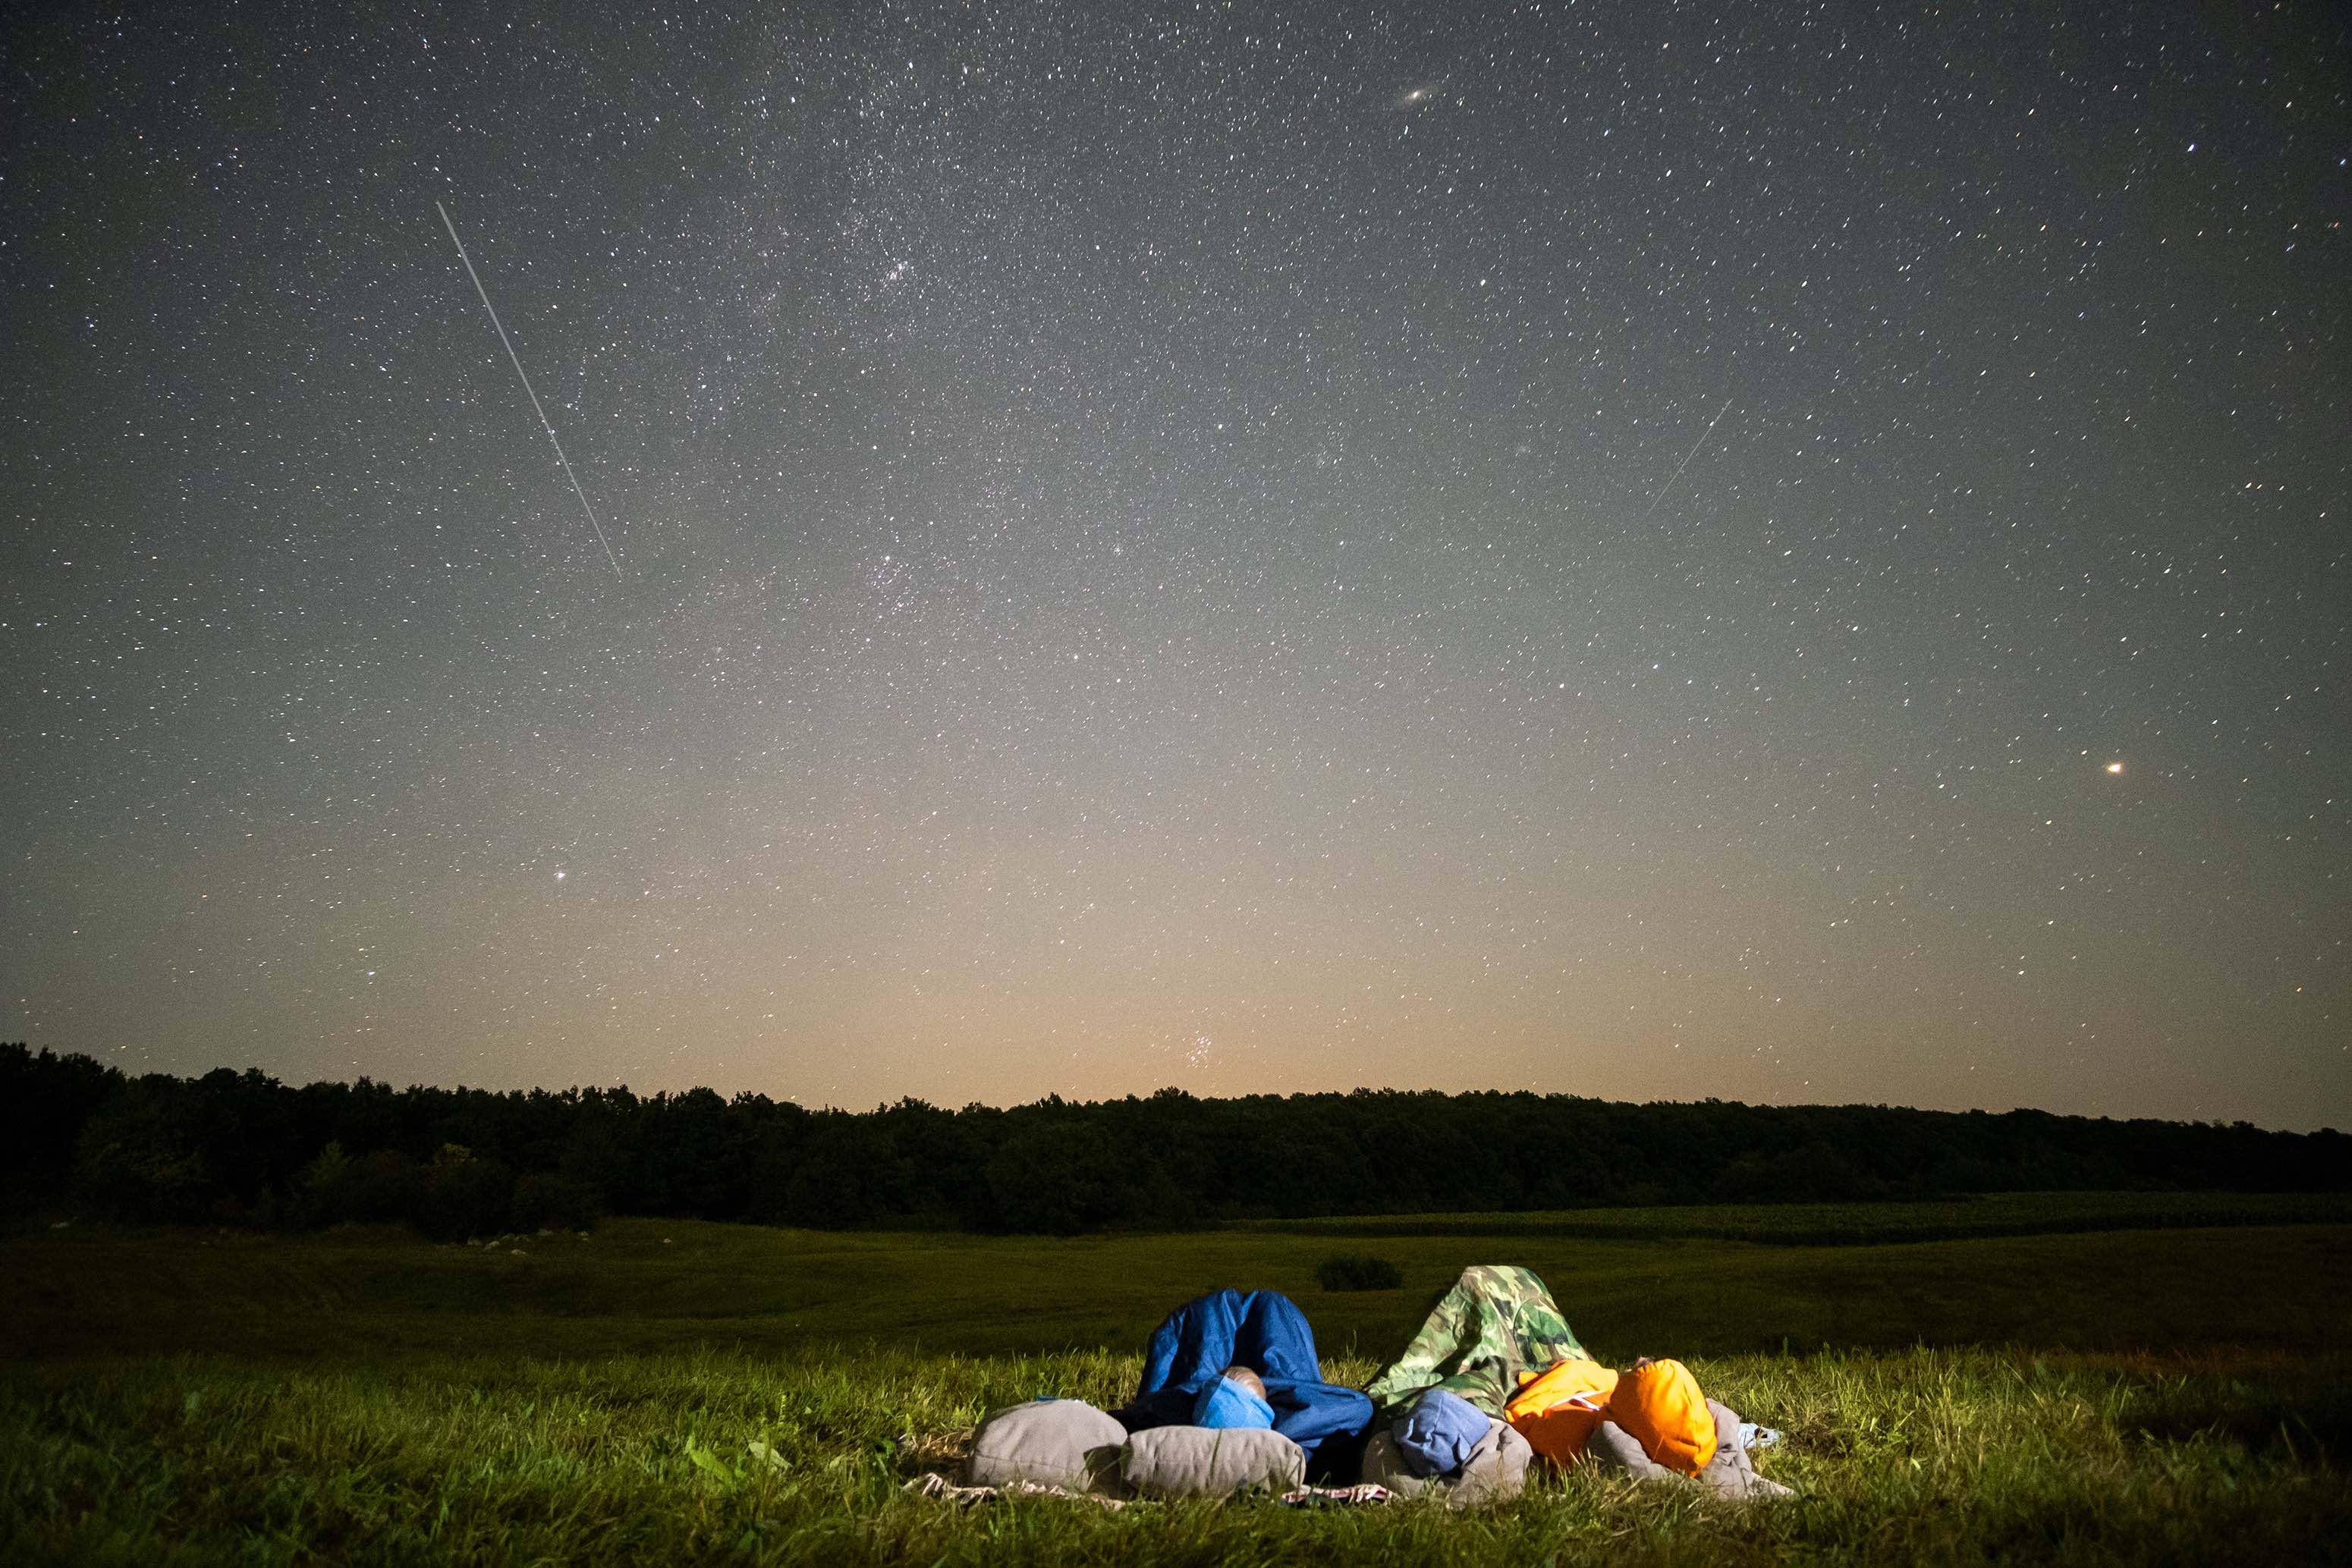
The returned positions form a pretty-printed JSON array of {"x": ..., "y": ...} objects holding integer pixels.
[
  {"x": 1264, "y": 1331},
  {"x": 1497, "y": 1321},
  {"x": 936, "y": 1487}
]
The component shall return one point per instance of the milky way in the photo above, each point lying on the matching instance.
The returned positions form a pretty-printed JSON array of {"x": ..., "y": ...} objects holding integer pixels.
[{"x": 1152, "y": 550}]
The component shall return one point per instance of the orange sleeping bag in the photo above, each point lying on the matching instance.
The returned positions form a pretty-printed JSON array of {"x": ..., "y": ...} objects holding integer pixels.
[
  {"x": 1557, "y": 1412},
  {"x": 1659, "y": 1406}
]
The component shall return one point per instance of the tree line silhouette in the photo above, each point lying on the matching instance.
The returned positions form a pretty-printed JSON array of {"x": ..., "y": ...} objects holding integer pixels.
[{"x": 77, "y": 1136}]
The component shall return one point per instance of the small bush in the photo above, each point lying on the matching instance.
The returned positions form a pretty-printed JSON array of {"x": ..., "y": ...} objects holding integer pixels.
[
  {"x": 553, "y": 1202},
  {"x": 458, "y": 1196},
  {"x": 1358, "y": 1271}
]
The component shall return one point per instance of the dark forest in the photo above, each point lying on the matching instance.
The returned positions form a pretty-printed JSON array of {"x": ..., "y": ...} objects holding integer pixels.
[{"x": 79, "y": 1138}]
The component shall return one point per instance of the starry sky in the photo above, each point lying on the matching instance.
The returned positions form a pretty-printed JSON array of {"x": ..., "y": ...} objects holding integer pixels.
[{"x": 1632, "y": 549}]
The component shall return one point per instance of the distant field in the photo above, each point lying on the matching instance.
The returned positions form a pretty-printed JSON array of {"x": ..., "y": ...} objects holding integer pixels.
[
  {"x": 2114, "y": 1396},
  {"x": 1860, "y": 1224},
  {"x": 79, "y": 1293}
]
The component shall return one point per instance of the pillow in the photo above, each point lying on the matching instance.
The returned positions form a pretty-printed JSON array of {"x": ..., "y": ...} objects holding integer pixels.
[
  {"x": 1729, "y": 1474},
  {"x": 1495, "y": 1472},
  {"x": 1053, "y": 1442},
  {"x": 1612, "y": 1447},
  {"x": 1384, "y": 1467},
  {"x": 1210, "y": 1461}
]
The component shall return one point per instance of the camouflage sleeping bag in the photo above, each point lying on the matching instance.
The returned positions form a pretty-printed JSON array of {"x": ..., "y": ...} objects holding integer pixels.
[{"x": 1496, "y": 1322}]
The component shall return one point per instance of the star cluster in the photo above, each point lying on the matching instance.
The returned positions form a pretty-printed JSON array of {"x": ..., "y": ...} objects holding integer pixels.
[{"x": 1636, "y": 549}]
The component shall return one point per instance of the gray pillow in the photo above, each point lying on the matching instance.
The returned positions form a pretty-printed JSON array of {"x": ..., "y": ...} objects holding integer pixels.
[
  {"x": 1053, "y": 1442},
  {"x": 1495, "y": 1472},
  {"x": 1210, "y": 1461},
  {"x": 1612, "y": 1447}
]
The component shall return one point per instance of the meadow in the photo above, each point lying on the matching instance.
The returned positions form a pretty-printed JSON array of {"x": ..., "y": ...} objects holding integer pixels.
[{"x": 2158, "y": 1382}]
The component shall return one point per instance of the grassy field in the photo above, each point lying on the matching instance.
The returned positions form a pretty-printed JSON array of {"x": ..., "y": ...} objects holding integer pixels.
[
  {"x": 1860, "y": 1224},
  {"x": 681, "y": 1392}
]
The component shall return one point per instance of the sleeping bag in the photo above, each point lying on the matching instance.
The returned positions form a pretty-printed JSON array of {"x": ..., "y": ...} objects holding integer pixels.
[
  {"x": 1496, "y": 1322},
  {"x": 1264, "y": 1331},
  {"x": 1557, "y": 1411},
  {"x": 1659, "y": 1406},
  {"x": 1224, "y": 1404}
]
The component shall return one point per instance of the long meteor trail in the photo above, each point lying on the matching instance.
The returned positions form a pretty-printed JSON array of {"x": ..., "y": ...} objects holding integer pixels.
[
  {"x": 1670, "y": 478},
  {"x": 544, "y": 423}
]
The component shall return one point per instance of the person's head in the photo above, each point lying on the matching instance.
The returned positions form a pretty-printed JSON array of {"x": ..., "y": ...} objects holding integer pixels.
[{"x": 1246, "y": 1378}]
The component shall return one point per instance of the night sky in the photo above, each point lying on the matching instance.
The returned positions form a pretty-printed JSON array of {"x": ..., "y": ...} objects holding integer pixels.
[{"x": 1647, "y": 550}]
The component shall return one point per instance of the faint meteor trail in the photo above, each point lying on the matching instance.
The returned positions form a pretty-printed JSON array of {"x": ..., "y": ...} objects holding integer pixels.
[
  {"x": 1670, "y": 478},
  {"x": 544, "y": 423}
]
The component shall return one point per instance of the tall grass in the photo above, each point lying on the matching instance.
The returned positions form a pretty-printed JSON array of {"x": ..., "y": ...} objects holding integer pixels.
[
  {"x": 692, "y": 1392},
  {"x": 1923, "y": 1455}
]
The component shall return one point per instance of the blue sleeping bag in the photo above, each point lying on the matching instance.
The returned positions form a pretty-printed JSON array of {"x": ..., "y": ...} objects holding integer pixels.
[{"x": 1264, "y": 1331}]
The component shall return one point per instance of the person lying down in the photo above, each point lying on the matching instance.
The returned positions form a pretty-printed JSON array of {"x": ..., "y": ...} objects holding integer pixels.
[
  {"x": 1231, "y": 1403},
  {"x": 1496, "y": 1378},
  {"x": 1656, "y": 1403},
  {"x": 1647, "y": 1421}
]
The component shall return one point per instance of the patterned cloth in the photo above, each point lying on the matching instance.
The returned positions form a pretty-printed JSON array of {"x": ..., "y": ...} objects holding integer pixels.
[
  {"x": 1357, "y": 1496},
  {"x": 1496, "y": 1322},
  {"x": 931, "y": 1484}
]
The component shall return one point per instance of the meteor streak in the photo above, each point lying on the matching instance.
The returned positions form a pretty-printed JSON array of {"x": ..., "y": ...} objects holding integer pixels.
[
  {"x": 543, "y": 421},
  {"x": 1670, "y": 478}
]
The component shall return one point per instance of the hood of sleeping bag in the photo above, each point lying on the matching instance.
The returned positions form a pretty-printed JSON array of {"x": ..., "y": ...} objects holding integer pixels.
[
  {"x": 1226, "y": 1403},
  {"x": 1261, "y": 1330},
  {"x": 1660, "y": 1405}
]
